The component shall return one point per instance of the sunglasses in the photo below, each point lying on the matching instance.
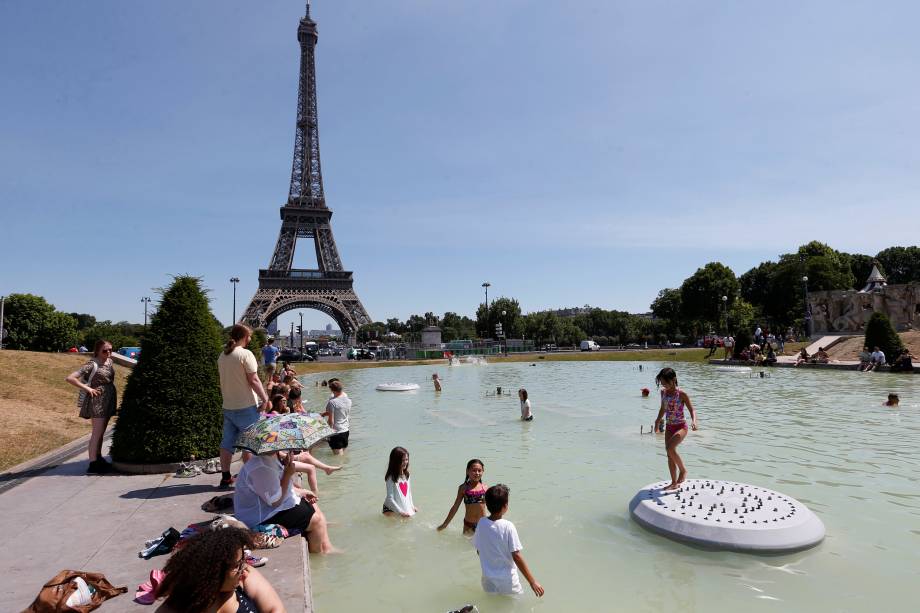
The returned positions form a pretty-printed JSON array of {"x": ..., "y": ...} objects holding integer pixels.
[{"x": 105, "y": 351}]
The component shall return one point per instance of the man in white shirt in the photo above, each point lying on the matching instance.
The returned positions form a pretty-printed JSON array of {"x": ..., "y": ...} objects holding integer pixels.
[
  {"x": 876, "y": 359},
  {"x": 337, "y": 410}
]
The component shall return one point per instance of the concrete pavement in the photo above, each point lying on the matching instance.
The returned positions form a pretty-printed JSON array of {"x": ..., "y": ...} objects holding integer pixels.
[{"x": 61, "y": 518}]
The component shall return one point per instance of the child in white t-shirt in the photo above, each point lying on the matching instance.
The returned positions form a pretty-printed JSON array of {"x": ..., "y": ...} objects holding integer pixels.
[
  {"x": 496, "y": 541},
  {"x": 399, "y": 491}
]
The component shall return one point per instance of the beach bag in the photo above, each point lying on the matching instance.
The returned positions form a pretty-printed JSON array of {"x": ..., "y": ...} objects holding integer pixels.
[
  {"x": 82, "y": 397},
  {"x": 74, "y": 590}
]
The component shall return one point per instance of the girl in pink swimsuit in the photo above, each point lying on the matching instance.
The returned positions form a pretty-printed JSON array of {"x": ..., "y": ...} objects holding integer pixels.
[{"x": 673, "y": 400}]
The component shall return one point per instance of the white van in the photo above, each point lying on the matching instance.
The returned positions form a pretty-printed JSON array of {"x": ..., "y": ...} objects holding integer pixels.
[{"x": 589, "y": 346}]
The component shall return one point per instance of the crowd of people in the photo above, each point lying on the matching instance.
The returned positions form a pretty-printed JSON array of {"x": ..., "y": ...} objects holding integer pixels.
[{"x": 211, "y": 573}]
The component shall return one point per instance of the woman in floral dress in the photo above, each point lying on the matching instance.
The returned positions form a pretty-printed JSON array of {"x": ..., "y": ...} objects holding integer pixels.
[{"x": 99, "y": 402}]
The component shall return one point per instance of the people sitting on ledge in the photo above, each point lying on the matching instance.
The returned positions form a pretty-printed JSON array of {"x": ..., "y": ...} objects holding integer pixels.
[
  {"x": 821, "y": 357},
  {"x": 903, "y": 362},
  {"x": 876, "y": 359},
  {"x": 802, "y": 357},
  {"x": 770, "y": 358}
]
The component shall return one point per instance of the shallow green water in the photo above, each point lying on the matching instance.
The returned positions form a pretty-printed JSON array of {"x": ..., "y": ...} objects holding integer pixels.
[{"x": 820, "y": 436}]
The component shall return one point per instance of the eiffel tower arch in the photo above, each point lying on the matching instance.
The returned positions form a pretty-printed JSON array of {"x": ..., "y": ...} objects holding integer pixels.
[{"x": 305, "y": 216}]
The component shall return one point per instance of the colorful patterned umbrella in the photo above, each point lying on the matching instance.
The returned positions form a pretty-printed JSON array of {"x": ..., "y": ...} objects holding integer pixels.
[{"x": 283, "y": 432}]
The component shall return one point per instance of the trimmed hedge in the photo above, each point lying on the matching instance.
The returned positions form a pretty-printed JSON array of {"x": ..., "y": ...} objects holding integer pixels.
[
  {"x": 172, "y": 407},
  {"x": 881, "y": 334}
]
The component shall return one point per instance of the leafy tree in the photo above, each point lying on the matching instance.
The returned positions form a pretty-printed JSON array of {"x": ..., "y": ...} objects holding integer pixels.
[
  {"x": 58, "y": 333},
  {"x": 25, "y": 316},
  {"x": 487, "y": 317},
  {"x": 375, "y": 331},
  {"x": 171, "y": 408},
  {"x": 33, "y": 324},
  {"x": 84, "y": 320},
  {"x": 120, "y": 334},
  {"x": 881, "y": 334},
  {"x": 256, "y": 342},
  {"x": 901, "y": 264},
  {"x": 667, "y": 307},
  {"x": 701, "y": 293},
  {"x": 756, "y": 283}
]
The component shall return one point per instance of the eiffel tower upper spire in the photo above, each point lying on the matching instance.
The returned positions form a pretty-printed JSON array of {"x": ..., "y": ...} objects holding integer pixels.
[{"x": 306, "y": 174}]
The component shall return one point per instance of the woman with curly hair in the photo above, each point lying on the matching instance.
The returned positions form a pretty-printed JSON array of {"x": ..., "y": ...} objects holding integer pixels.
[{"x": 210, "y": 575}]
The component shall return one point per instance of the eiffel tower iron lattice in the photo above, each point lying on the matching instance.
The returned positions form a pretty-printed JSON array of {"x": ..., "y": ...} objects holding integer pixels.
[{"x": 327, "y": 288}]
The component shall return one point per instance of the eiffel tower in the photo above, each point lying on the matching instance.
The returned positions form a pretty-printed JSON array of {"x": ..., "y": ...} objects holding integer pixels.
[{"x": 327, "y": 288}]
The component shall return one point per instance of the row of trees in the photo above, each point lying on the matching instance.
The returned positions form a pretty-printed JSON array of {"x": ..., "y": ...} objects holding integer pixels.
[
  {"x": 36, "y": 325},
  {"x": 773, "y": 293}
]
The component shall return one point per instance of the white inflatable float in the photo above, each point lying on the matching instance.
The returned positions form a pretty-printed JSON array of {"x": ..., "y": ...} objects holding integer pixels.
[
  {"x": 397, "y": 387},
  {"x": 737, "y": 369},
  {"x": 727, "y": 515}
]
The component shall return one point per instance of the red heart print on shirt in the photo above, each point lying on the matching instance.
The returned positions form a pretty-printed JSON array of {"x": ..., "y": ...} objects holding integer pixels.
[{"x": 404, "y": 487}]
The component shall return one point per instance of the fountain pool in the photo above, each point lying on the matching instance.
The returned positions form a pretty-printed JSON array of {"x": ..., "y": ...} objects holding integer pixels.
[{"x": 822, "y": 437}]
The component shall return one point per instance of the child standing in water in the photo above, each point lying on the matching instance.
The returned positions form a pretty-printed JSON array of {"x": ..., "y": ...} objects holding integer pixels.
[
  {"x": 673, "y": 400},
  {"x": 437, "y": 382},
  {"x": 526, "y": 414},
  {"x": 399, "y": 494},
  {"x": 472, "y": 493},
  {"x": 499, "y": 548}
]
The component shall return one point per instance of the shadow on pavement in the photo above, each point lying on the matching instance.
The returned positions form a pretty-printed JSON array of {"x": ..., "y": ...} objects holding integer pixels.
[{"x": 167, "y": 491}]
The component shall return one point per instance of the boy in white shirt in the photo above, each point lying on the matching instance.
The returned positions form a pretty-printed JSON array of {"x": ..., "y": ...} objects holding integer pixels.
[{"x": 496, "y": 541}]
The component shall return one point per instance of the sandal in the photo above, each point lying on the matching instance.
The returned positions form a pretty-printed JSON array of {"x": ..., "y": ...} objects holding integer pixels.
[{"x": 187, "y": 470}]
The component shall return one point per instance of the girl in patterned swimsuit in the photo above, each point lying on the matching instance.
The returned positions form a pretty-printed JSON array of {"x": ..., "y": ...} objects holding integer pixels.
[
  {"x": 472, "y": 493},
  {"x": 673, "y": 400}
]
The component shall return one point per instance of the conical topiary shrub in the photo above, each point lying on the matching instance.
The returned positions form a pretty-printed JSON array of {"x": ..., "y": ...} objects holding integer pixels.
[
  {"x": 880, "y": 333},
  {"x": 171, "y": 409}
]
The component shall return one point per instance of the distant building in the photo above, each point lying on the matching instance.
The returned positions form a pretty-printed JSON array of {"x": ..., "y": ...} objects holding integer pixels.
[
  {"x": 573, "y": 311},
  {"x": 328, "y": 331}
]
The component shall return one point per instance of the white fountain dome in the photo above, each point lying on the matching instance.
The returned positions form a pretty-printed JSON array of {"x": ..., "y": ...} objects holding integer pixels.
[{"x": 727, "y": 515}]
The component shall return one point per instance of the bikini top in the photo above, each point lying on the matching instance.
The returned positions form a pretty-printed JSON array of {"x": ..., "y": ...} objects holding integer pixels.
[
  {"x": 474, "y": 496},
  {"x": 674, "y": 406},
  {"x": 244, "y": 602}
]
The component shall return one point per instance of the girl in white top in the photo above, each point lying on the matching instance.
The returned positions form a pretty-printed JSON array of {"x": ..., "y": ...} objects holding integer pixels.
[
  {"x": 526, "y": 414},
  {"x": 399, "y": 492}
]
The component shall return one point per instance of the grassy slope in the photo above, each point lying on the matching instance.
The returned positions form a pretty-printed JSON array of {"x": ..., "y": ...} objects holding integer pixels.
[{"x": 38, "y": 409}]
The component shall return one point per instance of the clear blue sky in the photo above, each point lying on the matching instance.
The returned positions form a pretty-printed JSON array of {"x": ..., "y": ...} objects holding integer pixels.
[{"x": 590, "y": 153}]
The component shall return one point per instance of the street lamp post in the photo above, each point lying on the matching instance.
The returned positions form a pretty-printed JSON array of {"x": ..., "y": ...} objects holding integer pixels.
[
  {"x": 301, "y": 332},
  {"x": 486, "y": 286},
  {"x": 146, "y": 301},
  {"x": 725, "y": 310},
  {"x": 504, "y": 332},
  {"x": 808, "y": 329},
  {"x": 234, "y": 281}
]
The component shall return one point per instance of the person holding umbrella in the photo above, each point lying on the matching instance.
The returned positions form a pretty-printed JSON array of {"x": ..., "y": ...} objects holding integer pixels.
[{"x": 265, "y": 492}]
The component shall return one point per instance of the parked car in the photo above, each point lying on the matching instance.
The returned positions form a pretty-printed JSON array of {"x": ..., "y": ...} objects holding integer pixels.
[
  {"x": 550, "y": 347},
  {"x": 129, "y": 352},
  {"x": 324, "y": 351},
  {"x": 293, "y": 354},
  {"x": 674, "y": 345},
  {"x": 590, "y": 346},
  {"x": 358, "y": 353},
  {"x": 290, "y": 354}
]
